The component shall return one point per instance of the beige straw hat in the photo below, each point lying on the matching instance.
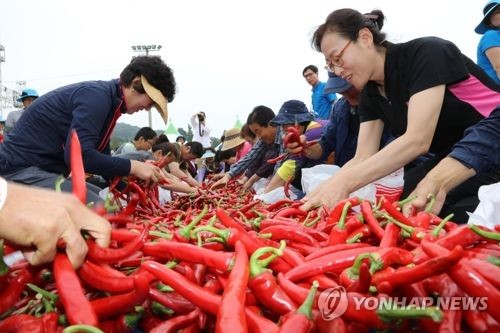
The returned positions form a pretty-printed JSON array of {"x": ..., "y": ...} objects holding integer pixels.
[
  {"x": 157, "y": 97},
  {"x": 232, "y": 138}
]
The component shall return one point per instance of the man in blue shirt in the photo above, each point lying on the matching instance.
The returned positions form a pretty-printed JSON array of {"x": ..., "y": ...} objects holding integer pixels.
[
  {"x": 341, "y": 133},
  {"x": 37, "y": 151},
  {"x": 321, "y": 101}
]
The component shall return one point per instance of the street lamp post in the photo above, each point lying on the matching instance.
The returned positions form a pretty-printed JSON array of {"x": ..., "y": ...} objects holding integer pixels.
[{"x": 146, "y": 49}]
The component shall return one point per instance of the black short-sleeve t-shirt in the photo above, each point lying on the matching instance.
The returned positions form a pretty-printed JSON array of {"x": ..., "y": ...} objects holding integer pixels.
[{"x": 421, "y": 64}]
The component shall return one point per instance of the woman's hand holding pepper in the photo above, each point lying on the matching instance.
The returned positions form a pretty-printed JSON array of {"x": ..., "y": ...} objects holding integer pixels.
[
  {"x": 294, "y": 147},
  {"x": 146, "y": 171},
  {"x": 221, "y": 182},
  {"x": 37, "y": 219}
]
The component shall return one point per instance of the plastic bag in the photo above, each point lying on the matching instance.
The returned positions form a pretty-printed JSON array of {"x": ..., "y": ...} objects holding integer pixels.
[
  {"x": 318, "y": 174},
  {"x": 390, "y": 186},
  {"x": 276, "y": 194},
  {"x": 487, "y": 212}
]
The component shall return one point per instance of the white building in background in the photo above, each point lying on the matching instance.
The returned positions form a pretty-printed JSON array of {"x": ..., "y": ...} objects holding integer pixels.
[{"x": 8, "y": 97}]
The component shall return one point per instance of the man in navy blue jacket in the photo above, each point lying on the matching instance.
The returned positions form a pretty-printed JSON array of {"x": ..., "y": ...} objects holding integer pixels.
[
  {"x": 477, "y": 153},
  {"x": 37, "y": 150}
]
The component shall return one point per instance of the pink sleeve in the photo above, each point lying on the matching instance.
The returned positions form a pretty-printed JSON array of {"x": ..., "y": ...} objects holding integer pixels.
[{"x": 245, "y": 149}]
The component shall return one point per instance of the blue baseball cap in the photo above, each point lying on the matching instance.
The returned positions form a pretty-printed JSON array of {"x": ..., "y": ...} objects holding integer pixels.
[
  {"x": 487, "y": 10},
  {"x": 291, "y": 112},
  {"x": 336, "y": 84},
  {"x": 27, "y": 93}
]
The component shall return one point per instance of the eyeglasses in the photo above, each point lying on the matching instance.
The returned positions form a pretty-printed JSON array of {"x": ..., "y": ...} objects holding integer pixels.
[{"x": 336, "y": 60}]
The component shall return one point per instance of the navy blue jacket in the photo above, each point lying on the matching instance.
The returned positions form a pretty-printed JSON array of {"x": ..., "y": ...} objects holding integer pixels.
[
  {"x": 42, "y": 135},
  {"x": 480, "y": 147}
]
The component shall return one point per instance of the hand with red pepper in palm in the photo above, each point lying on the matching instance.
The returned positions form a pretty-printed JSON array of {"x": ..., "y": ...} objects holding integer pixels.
[{"x": 37, "y": 219}]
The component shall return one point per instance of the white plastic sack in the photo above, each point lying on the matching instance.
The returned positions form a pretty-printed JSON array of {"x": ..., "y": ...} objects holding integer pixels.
[
  {"x": 487, "y": 212},
  {"x": 390, "y": 186},
  {"x": 275, "y": 195},
  {"x": 313, "y": 177},
  {"x": 260, "y": 185}
]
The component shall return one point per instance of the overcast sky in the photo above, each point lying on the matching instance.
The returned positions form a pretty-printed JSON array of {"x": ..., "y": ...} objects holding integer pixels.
[{"x": 227, "y": 56}]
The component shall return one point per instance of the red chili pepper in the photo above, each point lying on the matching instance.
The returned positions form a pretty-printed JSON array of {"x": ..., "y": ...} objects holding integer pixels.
[
  {"x": 396, "y": 214},
  {"x": 99, "y": 278},
  {"x": 110, "y": 255},
  {"x": 330, "y": 263},
  {"x": 371, "y": 221},
  {"x": 336, "y": 212},
  {"x": 338, "y": 234},
  {"x": 279, "y": 232},
  {"x": 177, "y": 323},
  {"x": 231, "y": 313},
  {"x": 489, "y": 235},
  {"x": 184, "y": 234},
  {"x": 22, "y": 323},
  {"x": 352, "y": 275},
  {"x": 110, "y": 306},
  {"x": 171, "y": 300},
  {"x": 124, "y": 323},
  {"x": 468, "y": 279},
  {"x": 263, "y": 284},
  {"x": 183, "y": 251},
  {"x": 334, "y": 248},
  {"x": 76, "y": 305},
  {"x": 277, "y": 158},
  {"x": 77, "y": 170},
  {"x": 50, "y": 321},
  {"x": 489, "y": 271},
  {"x": 17, "y": 281},
  {"x": 286, "y": 187},
  {"x": 300, "y": 321},
  {"x": 202, "y": 298},
  {"x": 406, "y": 275}
]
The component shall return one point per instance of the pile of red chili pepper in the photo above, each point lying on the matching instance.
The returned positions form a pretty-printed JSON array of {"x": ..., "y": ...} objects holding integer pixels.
[{"x": 219, "y": 261}]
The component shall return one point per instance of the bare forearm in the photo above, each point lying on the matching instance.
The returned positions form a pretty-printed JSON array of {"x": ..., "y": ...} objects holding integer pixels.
[
  {"x": 275, "y": 182},
  {"x": 449, "y": 173}
]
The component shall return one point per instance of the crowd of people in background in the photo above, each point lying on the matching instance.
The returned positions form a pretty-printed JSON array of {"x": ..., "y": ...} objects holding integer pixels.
[{"x": 421, "y": 106}]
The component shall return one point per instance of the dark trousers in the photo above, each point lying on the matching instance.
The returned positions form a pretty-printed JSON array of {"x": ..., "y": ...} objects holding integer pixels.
[{"x": 461, "y": 199}]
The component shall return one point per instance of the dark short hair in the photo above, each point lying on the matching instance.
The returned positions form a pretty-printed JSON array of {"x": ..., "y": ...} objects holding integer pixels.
[
  {"x": 347, "y": 22},
  {"x": 146, "y": 132},
  {"x": 180, "y": 137},
  {"x": 158, "y": 74},
  {"x": 260, "y": 115},
  {"x": 196, "y": 148},
  {"x": 310, "y": 67},
  {"x": 227, "y": 154},
  {"x": 166, "y": 148}
]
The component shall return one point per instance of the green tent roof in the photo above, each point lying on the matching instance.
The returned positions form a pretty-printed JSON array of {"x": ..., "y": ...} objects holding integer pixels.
[
  {"x": 171, "y": 128},
  {"x": 238, "y": 123}
]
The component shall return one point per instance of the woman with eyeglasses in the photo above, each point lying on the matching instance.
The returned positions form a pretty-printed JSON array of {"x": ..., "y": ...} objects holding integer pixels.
[{"x": 425, "y": 90}]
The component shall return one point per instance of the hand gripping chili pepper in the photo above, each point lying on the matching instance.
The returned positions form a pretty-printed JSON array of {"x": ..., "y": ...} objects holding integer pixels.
[
  {"x": 263, "y": 284},
  {"x": 231, "y": 313},
  {"x": 202, "y": 298},
  {"x": 76, "y": 305},
  {"x": 107, "y": 307},
  {"x": 109, "y": 255},
  {"x": 300, "y": 321},
  {"x": 77, "y": 169},
  {"x": 468, "y": 279},
  {"x": 165, "y": 249}
]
